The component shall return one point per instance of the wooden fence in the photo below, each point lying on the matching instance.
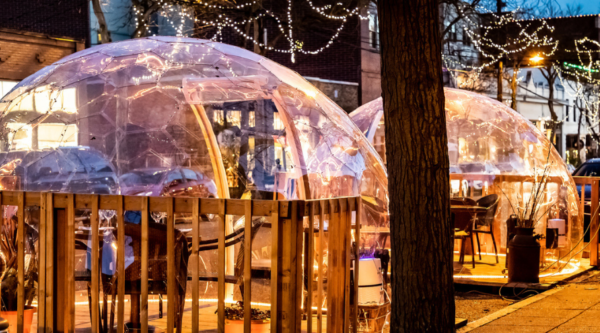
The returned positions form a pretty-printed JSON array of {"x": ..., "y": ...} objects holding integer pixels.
[
  {"x": 591, "y": 199},
  {"x": 592, "y": 202},
  {"x": 291, "y": 241}
]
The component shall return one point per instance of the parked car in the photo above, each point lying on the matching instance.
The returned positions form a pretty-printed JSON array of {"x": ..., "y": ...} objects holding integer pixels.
[
  {"x": 591, "y": 168},
  {"x": 64, "y": 169},
  {"x": 175, "y": 181}
]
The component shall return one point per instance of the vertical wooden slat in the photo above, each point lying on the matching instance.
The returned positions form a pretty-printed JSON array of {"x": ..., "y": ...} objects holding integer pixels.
[
  {"x": 320, "y": 266},
  {"x": 195, "y": 263},
  {"x": 346, "y": 223},
  {"x": 275, "y": 305},
  {"x": 171, "y": 286},
  {"x": 357, "y": 261},
  {"x": 334, "y": 282},
  {"x": 50, "y": 266},
  {"x": 42, "y": 264},
  {"x": 1, "y": 218},
  {"x": 94, "y": 224},
  {"x": 221, "y": 268},
  {"x": 70, "y": 259},
  {"x": 248, "y": 266},
  {"x": 20, "y": 261},
  {"x": 120, "y": 264},
  {"x": 296, "y": 281},
  {"x": 311, "y": 263},
  {"x": 594, "y": 222},
  {"x": 144, "y": 283}
]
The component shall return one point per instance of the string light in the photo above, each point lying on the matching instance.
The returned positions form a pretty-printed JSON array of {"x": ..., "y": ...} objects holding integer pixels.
[{"x": 222, "y": 21}]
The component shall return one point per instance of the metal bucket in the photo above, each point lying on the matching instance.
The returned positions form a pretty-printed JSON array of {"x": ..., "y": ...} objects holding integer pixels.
[{"x": 524, "y": 257}]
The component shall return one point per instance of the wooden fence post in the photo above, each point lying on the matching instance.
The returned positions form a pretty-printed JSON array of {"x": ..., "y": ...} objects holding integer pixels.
[{"x": 593, "y": 222}]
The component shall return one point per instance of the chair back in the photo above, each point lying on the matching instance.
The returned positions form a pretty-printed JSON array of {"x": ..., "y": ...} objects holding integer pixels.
[
  {"x": 463, "y": 221},
  {"x": 462, "y": 201},
  {"x": 491, "y": 203},
  {"x": 157, "y": 253}
]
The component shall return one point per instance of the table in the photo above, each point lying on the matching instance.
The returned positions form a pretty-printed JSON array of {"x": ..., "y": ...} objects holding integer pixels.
[{"x": 467, "y": 209}]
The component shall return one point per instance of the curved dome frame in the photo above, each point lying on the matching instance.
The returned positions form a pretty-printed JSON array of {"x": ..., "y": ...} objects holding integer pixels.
[{"x": 493, "y": 149}]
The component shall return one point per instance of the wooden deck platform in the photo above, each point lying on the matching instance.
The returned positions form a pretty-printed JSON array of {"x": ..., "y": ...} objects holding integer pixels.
[
  {"x": 207, "y": 318},
  {"x": 489, "y": 273}
]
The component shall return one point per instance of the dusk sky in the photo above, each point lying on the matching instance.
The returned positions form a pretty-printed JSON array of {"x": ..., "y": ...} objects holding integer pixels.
[{"x": 589, "y": 6}]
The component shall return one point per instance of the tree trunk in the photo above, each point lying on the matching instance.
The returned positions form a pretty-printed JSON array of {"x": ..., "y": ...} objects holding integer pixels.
[
  {"x": 500, "y": 85},
  {"x": 514, "y": 85},
  {"x": 578, "y": 130},
  {"x": 418, "y": 166},
  {"x": 256, "y": 37},
  {"x": 102, "y": 26}
]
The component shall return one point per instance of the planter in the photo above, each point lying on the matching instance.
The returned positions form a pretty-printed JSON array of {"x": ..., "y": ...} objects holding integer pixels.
[
  {"x": 524, "y": 257},
  {"x": 11, "y": 317},
  {"x": 237, "y": 326}
]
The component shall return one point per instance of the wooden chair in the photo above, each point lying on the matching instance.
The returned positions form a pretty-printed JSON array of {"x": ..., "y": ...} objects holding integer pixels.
[
  {"x": 486, "y": 220},
  {"x": 157, "y": 268},
  {"x": 462, "y": 201},
  {"x": 230, "y": 240},
  {"x": 463, "y": 227}
]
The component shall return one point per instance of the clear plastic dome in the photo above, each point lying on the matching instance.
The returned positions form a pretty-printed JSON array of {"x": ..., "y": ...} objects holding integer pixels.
[
  {"x": 494, "y": 150},
  {"x": 181, "y": 116}
]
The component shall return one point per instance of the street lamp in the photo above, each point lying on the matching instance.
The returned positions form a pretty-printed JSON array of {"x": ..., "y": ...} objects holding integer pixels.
[{"x": 536, "y": 58}]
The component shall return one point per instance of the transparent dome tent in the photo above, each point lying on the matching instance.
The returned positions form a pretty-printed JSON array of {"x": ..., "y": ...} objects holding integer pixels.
[
  {"x": 494, "y": 150},
  {"x": 167, "y": 116}
]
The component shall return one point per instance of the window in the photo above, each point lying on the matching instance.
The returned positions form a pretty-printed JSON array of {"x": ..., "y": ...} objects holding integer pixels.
[
  {"x": 234, "y": 118},
  {"x": 219, "y": 117},
  {"x": 567, "y": 113},
  {"x": 373, "y": 29},
  {"x": 453, "y": 33},
  {"x": 251, "y": 119},
  {"x": 466, "y": 38}
]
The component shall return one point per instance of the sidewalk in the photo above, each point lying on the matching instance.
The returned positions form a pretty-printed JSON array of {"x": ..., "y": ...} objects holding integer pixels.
[{"x": 573, "y": 308}]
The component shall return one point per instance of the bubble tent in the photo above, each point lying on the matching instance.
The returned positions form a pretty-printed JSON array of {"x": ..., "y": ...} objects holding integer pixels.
[
  {"x": 493, "y": 149},
  {"x": 170, "y": 116}
]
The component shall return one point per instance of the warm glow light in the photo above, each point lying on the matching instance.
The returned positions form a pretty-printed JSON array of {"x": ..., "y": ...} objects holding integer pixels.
[{"x": 536, "y": 58}]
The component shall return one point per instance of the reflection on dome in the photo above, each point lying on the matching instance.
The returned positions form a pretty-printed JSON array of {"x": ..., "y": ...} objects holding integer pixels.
[
  {"x": 184, "y": 117},
  {"x": 494, "y": 150}
]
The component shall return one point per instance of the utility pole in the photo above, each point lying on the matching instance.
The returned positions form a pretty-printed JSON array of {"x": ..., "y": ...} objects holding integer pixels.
[{"x": 499, "y": 5}]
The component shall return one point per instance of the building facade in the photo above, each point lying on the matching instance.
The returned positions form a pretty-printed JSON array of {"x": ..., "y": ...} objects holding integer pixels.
[{"x": 35, "y": 34}]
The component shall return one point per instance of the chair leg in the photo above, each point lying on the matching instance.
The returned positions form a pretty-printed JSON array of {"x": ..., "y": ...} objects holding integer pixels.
[
  {"x": 105, "y": 313},
  {"x": 495, "y": 248},
  {"x": 180, "y": 314},
  {"x": 112, "y": 305},
  {"x": 160, "y": 306},
  {"x": 472, "y": 250},
  {"x": 461, "y": 256},
  {"x": 90, "y": 305},
  {"x": 478, "y": 245}
]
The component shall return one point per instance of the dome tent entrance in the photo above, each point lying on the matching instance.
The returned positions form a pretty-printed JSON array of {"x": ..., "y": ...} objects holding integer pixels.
[
  {"x": 166, "y": 116},
  {"x": 494, "y": 150}
]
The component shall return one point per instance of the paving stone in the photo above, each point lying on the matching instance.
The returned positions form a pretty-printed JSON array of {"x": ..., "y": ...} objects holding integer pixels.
[
  {"x": 546, "y": 313},
  {"x": 562, "y": 304},
  {"x": 586, "y": 318},
  {"x": 511, "y": 320},
  {"x": 563, "y": 329},
  {"x": 512, "y": 329}
]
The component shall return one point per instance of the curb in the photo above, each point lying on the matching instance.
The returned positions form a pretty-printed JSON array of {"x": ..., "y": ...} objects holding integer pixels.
[{"x": 509, "y": 309}]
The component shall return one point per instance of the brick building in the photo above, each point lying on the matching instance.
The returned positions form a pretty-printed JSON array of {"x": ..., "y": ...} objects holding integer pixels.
[{"x": 36, "y": 33}]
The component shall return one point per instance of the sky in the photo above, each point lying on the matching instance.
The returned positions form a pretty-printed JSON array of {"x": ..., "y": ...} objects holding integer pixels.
[{"x": 589, "y": 6}]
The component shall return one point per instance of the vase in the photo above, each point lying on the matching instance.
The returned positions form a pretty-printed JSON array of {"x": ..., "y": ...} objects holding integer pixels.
[
  {"x": 523, "y": 257},
  {"x": 11, "y": 317},
  {"x": 237, "y": 326}
]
